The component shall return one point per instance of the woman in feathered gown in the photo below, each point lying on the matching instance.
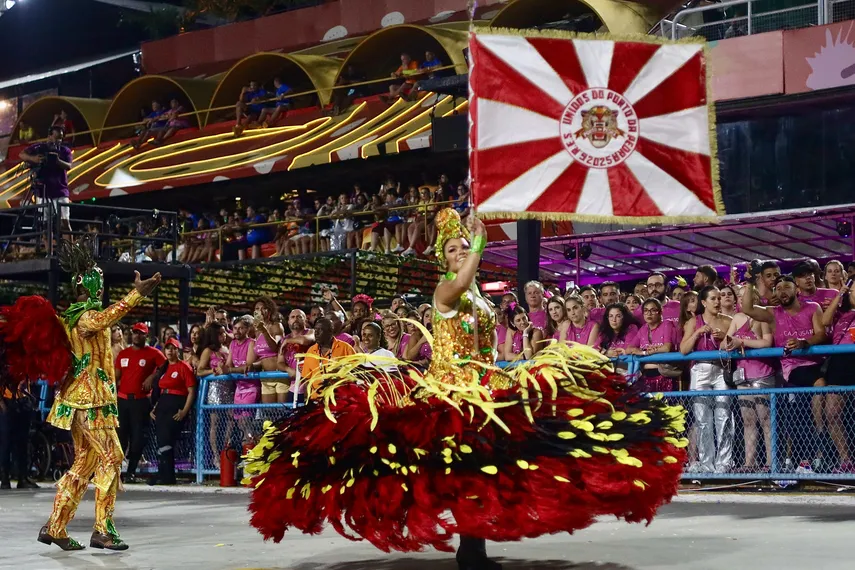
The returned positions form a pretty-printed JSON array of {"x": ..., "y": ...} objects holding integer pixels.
[{"x": 407, "y": 460}]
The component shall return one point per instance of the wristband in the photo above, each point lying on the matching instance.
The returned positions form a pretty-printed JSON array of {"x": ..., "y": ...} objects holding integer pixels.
[{"x": 478, "y": 244}]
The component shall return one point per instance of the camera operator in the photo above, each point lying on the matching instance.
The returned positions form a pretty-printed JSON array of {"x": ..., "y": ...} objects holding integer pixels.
[{"x": 51, "y": 160}]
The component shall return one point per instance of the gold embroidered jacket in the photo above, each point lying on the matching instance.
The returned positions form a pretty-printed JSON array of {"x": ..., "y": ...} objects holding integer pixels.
[{"x": 92, "y": 385}]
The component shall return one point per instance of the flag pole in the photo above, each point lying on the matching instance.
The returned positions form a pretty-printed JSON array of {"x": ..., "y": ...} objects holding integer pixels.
[{"x": 471, "y": 6}]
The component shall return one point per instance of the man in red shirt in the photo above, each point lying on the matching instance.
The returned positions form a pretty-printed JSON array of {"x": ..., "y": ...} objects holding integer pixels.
[
  {"x": 136, "y": 368},
  {"x": 177, "y": 392}
]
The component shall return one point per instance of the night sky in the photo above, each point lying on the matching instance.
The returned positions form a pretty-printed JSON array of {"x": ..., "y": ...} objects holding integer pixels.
[{"x": 39, "y": 35}]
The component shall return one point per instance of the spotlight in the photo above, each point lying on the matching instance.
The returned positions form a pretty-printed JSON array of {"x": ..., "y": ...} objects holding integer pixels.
[
  {"x": 584, "y": 251},
  {"x": 844, "y": 229},
  {"x": 10, "y": 4}
]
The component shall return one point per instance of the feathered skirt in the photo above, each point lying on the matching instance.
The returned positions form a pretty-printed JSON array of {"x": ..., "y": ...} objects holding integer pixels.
[{"x": 406, "y": 462}]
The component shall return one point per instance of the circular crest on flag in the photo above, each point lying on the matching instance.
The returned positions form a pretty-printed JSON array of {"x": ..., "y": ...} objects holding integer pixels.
[{"x": 599, "y": 128}]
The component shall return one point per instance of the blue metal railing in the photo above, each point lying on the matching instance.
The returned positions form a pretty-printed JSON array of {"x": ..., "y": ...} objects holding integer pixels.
[{"x": 782, "y": 413}]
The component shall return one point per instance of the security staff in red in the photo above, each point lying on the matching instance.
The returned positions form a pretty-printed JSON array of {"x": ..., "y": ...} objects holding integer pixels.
[
  {"x": 177, "y": 393},
  {"x": 136, "y": 369}
]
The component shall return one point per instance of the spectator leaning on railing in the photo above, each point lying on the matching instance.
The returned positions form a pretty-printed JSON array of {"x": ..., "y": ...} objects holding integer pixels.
[
  {"x": 713, "y": 416},
  {"x": 796, "y": 325}
]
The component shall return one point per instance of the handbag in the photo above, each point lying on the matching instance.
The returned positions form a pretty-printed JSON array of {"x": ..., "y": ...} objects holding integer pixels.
[{"x": 666, "y": 369}]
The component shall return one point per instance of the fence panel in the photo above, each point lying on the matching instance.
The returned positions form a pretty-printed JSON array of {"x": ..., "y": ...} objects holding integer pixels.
[{"x": 746, "y": 17}]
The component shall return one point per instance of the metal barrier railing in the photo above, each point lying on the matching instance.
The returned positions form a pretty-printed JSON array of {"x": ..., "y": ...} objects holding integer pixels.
[
  {"x": 230, "y": 424},
  {"x": 735, "y": 18},
  {"x": 781, "y": 434}
]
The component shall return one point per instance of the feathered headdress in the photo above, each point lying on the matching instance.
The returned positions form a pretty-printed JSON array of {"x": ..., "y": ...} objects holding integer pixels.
[
  {"x": 448, "y": 226},
  {"x": 78, "y": 260}
]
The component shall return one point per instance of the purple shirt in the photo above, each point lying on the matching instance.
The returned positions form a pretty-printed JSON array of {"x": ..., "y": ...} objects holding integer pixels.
[
  {"x": 646, "y": 339},
  {"x": 54, "y": 176},
  {"x": 789, "y": 326},
  {"x": 538, "y": 319}
]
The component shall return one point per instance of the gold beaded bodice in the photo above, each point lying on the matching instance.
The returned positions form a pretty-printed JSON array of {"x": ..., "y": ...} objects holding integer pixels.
[{"x": 454, "y": 340}]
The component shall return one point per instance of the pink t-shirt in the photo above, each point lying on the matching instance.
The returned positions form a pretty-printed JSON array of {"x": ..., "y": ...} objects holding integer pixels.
[
  {"x": 344, "y": 337},
  {"x": 754, "y": 367},
  {"x": 671, "y": 311},
  {"x": 843, "y": 322},
  {"x": 501, "y": 334},
  {"x": 646, "y": 339},
  {"x": 538, "y": 319},
  {"x": 596, "y": 314},
  {"x": 789, "y": 326},
  {"x": 620, "y": 341},
  {"x": 821, "y": 296},
  {"x": 577, "y": 334}
]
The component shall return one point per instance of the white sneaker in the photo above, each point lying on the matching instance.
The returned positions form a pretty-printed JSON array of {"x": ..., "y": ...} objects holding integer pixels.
[
  {"x": 428, "y": 250},
  {"x": 409, "y": 251},
  {"x": 398, "y": 249}
]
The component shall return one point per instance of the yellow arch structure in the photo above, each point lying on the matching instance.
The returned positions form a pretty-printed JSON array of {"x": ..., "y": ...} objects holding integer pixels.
[
  {"x": 378, "y": 55},
  {"x": 194, "y": 94},
  {"x": 616, "y": 16},
  {"x": 302, "y": 72},
  {"x": 86, "y": 114}
]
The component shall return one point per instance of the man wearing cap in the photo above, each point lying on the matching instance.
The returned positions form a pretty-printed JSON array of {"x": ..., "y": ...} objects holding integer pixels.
[
  {"x": 805, "y": 275},
  {"x": 136, "y": 369}
]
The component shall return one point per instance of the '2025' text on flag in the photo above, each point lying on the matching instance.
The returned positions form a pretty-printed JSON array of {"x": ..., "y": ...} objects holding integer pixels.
[{"x": 591, "y": 130}]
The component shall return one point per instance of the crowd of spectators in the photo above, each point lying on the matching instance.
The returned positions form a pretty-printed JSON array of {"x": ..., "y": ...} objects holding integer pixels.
[{"x": 396, "y": 219}]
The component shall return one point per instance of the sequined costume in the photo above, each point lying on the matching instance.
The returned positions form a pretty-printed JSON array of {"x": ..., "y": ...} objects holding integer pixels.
[
  {"x": 543, "y": 447},
  {"x": 77, "y": 361},
  {"x": 86, "y": 405}
]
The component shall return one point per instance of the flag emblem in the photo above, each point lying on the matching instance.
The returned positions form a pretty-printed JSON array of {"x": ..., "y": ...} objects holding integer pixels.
[{"x": 591, "y": 129}]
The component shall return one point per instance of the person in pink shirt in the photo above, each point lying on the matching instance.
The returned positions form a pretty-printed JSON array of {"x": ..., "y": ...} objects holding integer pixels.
[
  {"x": 337, "y": 318},
  {"x": 729, "y": 300},
  {"x": 713, "y": 415},
  {"x": 752, "y": 373},
  {"x": 835, "y": 275},
  {"x": 657, "y": 289},
  {"x": 617, "y": 329},
  {"x": 396, "y": 338},
  {"x": 581, "y": 329},
  {"x": 247, "y": 391},
  {"x": 633, "y": 303},
  {"x": 522, "y": 336},
  {"x": 298, "y": 341},
  {"x": 840, "y": 315},
  {"x": 805, "y": 276},
  {"x": 795, "y": 325},
  {"x": 609, "y": 294},
  {"x": 509, "y": 300},
  {"x": 589, "y": 297},
  {"x": 536, "y": 304},
  {"x": 654, "y": 336}
]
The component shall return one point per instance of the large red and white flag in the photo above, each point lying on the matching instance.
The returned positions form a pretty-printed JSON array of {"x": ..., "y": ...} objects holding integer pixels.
[{"x": 591, "y": 130}]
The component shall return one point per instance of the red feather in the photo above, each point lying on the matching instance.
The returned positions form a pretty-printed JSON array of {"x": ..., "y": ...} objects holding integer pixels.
[
  {"x": 407, "y": 512},
  {"x": 35, "y": 342}
]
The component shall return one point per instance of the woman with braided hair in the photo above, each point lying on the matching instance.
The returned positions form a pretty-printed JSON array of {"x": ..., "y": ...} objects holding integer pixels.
[
  {"x": 544, "y": 447},
  {"x": 73, "y": 353}
]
